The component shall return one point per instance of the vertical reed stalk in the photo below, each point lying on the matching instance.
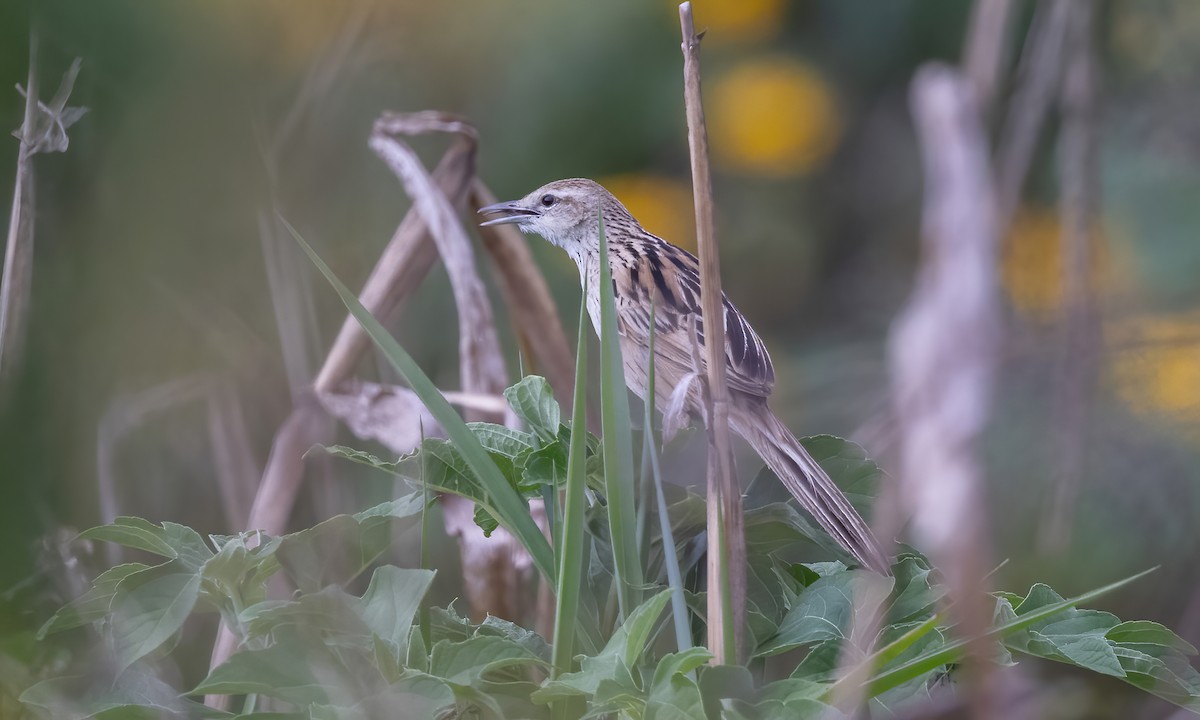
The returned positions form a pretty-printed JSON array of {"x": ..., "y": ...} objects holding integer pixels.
[{"x": 727, "y": 545}]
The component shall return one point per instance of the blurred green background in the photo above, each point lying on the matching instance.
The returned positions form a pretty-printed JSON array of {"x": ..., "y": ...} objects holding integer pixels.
[{"x": 149, "y": 269}]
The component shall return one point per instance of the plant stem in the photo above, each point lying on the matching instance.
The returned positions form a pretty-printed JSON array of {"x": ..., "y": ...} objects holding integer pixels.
[{"x": 727, "y": 554}]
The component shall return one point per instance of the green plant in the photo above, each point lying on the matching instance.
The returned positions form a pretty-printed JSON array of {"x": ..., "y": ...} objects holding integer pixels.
[{"x": 328, "y": 653}]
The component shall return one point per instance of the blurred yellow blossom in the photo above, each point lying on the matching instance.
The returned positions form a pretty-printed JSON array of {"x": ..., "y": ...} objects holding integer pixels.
[
  {"x": 1156, "y": 365},
  {"x": 773, "y": 116},
  {"x": 737, "y": 20},
  {"x": 1032, "y": 266},
  {"x": 662, "y": 205}
]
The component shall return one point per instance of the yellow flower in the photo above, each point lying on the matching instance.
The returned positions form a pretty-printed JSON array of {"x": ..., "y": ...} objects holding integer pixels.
[
  {"x": 1032, "y": 264},
  {"x": 1156, "y": 365},
  {"x": 662, "y": 205},
  {"x": 773, "y": 116},
  {"x": 737, "y": 20}
]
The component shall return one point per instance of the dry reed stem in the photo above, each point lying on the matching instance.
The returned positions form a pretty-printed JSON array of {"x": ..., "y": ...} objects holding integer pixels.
[
  {"x": 18, "y": 251},
  {"x": 401, "y": 267},
  {"x": 43, "y": 129},
  {"x": 942, "y": 353},
  {"x": 495, "y": 569},
  {"x": 986, "y": 48},
  {"x": 1037, "y": 79},
  {"x": 236, "y": 468},
  {"x": 481, "y": 363},
  {"x": 1080, "y": 324},
  {"x": 725, "y": 497}
]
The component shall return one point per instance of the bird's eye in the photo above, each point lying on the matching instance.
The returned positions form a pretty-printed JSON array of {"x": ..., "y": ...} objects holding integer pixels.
[{"x": 548, "y": 200}]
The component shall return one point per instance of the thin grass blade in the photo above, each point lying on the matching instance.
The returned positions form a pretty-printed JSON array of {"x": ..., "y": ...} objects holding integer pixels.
[
  {"x": 511, "y": 511},
  {"x": 571, "y": 558},
  {"x": 618, "y": 446},
  {"x": 919, "y": 666},
  {"x": 679, "y": 611}
]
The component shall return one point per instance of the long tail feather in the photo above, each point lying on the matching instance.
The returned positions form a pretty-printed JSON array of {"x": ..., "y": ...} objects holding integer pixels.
[{"x": 808, "y": 482}]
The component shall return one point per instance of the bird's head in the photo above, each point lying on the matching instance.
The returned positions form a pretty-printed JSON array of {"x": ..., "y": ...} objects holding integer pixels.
[{"x": 565, "y": 212}]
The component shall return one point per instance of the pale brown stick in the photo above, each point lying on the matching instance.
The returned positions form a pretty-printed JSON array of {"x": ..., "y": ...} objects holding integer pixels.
[
  {"x": 985, "y": 49},
  {"x": 725, "y": 497},
  {"x": 18, "y": 252},
  {"x": 402, "y": 266},
  {"x": 942, "y": 352},
  {"x": 1077, "y": 355},
  {"x": 1038, "y": 78}
]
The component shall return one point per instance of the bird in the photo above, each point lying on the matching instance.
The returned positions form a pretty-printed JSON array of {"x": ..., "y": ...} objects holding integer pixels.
[{"x": 653, "y": 278}]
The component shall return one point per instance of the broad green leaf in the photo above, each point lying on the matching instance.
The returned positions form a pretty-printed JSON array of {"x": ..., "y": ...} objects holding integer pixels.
[
  {"x": 300, "y": 672},
  {"x": 1036, "y": 611},
  {"x": 913, "y": 595},
  {"x": 239, "y": 573},
  {"x": 170, "y": 540},
  {"x": 342, "y": 547},
  {"x": 823, "y": 611},
  {"x": 528, "y": 639},
  {"x": 150, "y": 607},
  {"x": 92, "y": 605},
  {"x": 509, "y": 507},
  {"x": 330, "y": 612},
  {"x": 133, "y": 695},
  {"x": 465, "y": 662},
  {"x": 533, "y": 402},
  {"x": 721, "y": 684},
  {"x": 1145, "y": 631},
  {"x": 621, "y": 653},
  {"x": 391, "y": 602},
  {"x": 821, "y": 662},
  {"x": 500, "y": 440}
]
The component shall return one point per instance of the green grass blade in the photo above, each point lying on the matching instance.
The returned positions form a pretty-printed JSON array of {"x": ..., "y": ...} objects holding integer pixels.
[
  {"x": 618, "y": 446},
  {"x": 950, "y": 653},
  {"x": 571, "y": 557},
  {"x": 510, "y": 510},
  {"x": 679, "y": 612}
]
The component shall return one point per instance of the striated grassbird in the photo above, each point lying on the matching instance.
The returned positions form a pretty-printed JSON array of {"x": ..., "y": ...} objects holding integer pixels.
[{"x": 647, "y": 269}]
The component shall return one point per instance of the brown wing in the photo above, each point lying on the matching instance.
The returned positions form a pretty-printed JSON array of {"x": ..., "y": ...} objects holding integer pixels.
[{"x": 655, "y": 269}]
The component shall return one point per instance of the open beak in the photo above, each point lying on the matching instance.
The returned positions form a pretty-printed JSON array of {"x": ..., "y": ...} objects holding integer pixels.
[{"x": 509, "y": 212}]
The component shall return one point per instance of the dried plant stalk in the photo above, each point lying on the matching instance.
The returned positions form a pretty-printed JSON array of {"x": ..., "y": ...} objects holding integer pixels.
[
  {"x": 1080, "y": 327},
  {"x": 402, "y": 266},
  {"x": 727, "y": 559},
  {"x": 942, "y": 353},
  {"x": 480, "y": 361}
]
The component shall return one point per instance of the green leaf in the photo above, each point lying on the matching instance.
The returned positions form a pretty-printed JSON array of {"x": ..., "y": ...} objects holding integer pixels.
[
  {"x": 92, "y": 605},
  {"x": 465, "y": 662},
  {"x": 1147, "y": 632},
  {"x": 150, "y": 607},
  {"x": 509, "y": 508},
  {"x": 170, "y": 540},
  {"x": 618, "y": 444},
  {"x": 342, "y": 547},
  {"x": 294, "y": 669},
  {"x": 913, "y": 596},
  {"x": 613, "y": 662},
  {"x": 391, "y": 602},
  {"x": 1036, "y": 611},
  {"x": 823, "y": 611},
  {"x": 330, "y": 612},
  {"x": 533, "y": 402},
  {"x": 239, "y": 573}
]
